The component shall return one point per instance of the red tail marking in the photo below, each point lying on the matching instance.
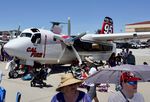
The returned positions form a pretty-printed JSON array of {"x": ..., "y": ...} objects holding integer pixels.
[{"x": 107, "y": 26}]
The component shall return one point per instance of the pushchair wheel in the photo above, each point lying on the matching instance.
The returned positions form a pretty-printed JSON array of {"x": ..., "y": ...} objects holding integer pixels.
[
  {"x": 44, "y": 84},
  {"x": 10, "y": 74},
  {"x": 15, "y": 75},
  {"x": 32, "y": 84}
]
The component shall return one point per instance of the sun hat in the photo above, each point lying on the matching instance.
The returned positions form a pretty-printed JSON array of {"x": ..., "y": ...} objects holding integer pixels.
[
  {"x": 66, "y": 80},
  {"x": 89, "y": 59},
  {"x": 128, "y": 77}
]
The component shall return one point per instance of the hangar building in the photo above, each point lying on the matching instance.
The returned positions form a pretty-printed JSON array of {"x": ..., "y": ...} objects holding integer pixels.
[{"x": 138, "y": 27}]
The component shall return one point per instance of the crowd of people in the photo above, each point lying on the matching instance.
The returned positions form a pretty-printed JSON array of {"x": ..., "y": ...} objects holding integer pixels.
[
  {"x": 84, "y": 70},
  {"x": 68, "y": 87},
  {"x": 68, "y": 90},
  {"x": 124, "y": 57},
  {"x": 128, "y": 81}
]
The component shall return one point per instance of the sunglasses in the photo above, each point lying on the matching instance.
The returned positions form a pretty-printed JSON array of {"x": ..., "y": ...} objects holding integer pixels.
[{"x": 132, "y": 83}]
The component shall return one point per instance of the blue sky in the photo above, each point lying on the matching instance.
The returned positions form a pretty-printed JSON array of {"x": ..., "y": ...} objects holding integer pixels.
[{"x": 86, "y": 15}]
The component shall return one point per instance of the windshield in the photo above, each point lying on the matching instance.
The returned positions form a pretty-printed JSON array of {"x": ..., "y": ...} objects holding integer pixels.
[
  {"x": 36, "y": 38},
  {"x": 26, "y": 35}
]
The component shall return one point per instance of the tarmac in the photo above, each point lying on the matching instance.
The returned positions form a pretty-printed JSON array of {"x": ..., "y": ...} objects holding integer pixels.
[{"x": 36, "y": 94}]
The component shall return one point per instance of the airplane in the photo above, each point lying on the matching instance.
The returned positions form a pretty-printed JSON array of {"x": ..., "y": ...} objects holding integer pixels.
[
  {"x": 47, "y": 47},
  {"x": 5, "y": 36}
]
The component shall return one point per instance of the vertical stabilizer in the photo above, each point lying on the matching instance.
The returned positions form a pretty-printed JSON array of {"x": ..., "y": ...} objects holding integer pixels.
[{"x": 107, "y": 27}]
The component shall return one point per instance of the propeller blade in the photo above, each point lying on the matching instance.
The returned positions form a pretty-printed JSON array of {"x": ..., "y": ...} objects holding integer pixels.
[
  {"x": 18, "y": 31},
  {"x": 69, "y": 41},
  {"x": 77, "y": 55},
  {"x": 61, "y": 55},
  {"x": 79, "y": 36}
]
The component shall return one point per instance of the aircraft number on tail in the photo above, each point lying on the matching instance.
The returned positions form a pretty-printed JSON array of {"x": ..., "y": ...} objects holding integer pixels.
[
  {"x": 34, "y": 53},
  {"x": 107, "y": 26},
  {"x": 108, "y": 29}
]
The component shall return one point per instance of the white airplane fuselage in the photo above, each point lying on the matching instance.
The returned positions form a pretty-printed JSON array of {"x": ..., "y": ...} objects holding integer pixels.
[{"x": 48, "y": 50}]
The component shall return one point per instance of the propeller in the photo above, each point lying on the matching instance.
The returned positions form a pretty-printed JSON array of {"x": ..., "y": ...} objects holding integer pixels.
[
  {"x": 70, "y": 42},
  {"x": 18, "y": 31}
]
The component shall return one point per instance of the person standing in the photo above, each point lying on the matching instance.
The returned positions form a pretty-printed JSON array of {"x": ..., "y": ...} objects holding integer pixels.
[
  {"x": 123, "y": 53},
  {"x": 2, "y": 52},
  {"x": 131, "y": 58},
  {"x": 118, "y": 59},
  {"x": 91, "y": 87},
  {"x": 2, "y": 89},
  {"x": 68, "y": 91},
  {"x": 128, "y": 93}
]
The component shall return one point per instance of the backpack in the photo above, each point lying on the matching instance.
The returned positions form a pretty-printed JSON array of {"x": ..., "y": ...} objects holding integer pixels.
[{"x": 2, "y": 94}]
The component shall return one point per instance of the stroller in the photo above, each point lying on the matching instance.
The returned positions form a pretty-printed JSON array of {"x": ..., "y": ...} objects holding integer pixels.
[
  {"x": 38, "y": 78},
  {"x": 76, "y": 71}
]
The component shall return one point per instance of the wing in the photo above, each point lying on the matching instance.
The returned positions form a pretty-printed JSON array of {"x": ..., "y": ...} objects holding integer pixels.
[{"x": 116, "y": 36}]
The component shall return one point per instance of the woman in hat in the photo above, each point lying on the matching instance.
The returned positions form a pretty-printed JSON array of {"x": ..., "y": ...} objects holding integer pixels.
[{"x": 68, "y": 90}]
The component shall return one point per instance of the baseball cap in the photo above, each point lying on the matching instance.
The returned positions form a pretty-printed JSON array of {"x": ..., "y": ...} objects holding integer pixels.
[{"x": 128, "y": 77}]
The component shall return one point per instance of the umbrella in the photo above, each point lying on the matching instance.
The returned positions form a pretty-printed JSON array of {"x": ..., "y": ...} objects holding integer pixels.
[{"x": 112, "y": 75}]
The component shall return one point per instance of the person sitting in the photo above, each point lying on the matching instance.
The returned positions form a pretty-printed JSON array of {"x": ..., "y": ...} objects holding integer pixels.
[
  {"x": 68, "y": 91},
  {"x": 112, "y": 60},
  {"x": 128, "y": 92}
]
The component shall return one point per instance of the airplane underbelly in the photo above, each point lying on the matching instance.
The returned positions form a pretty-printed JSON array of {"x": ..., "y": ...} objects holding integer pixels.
[
  {"x": 97, "y": 55},
  {"x": 99, "y": 50}
]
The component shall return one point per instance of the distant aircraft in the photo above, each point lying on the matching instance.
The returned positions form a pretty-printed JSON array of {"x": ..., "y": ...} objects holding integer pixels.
[
  {"x": 5, "y": 36},
  {"x": 47, "y": 47}
]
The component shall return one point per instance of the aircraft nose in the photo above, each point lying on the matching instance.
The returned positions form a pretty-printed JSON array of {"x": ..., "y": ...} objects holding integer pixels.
[{"x": 10, "y": 47}]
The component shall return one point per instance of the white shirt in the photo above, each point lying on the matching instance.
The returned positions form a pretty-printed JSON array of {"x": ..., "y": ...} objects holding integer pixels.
[
  {"x": 118, "y": 97},
  {"x": 91, "y": 71}
]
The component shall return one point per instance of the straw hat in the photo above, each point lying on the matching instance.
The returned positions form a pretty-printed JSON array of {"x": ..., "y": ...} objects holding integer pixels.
[
  {"x": 66, "y": 80},
  {"x": 89, "y": 59}
]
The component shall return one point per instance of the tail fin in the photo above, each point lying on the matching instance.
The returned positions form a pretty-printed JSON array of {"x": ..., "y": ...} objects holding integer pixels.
[{"x": 107, "y": 27}]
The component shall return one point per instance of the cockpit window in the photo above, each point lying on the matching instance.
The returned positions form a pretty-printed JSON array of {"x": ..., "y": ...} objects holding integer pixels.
[
  {"x": 35, "y": 30},
  {"x": 26, "y": 35},
  {"x": 36, "y": 38}
]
